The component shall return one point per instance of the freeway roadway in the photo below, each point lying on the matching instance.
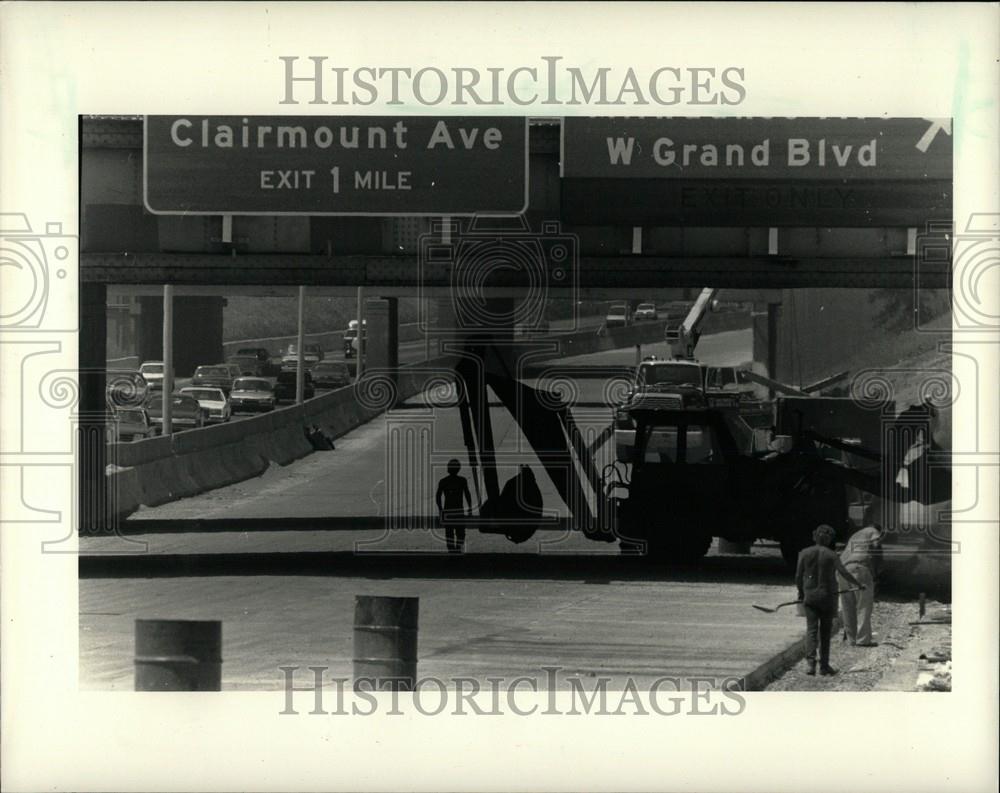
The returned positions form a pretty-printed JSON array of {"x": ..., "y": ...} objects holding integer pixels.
[
  {"x": 411, "y": 352},
  {"x": 286, "y": 596},
  {"x": 369, "y": 476}
]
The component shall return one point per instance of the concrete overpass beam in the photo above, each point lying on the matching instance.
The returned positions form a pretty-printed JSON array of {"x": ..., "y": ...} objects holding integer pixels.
[
  {"x": 197, "y": 331},
  {"x": 765, "y": 339},
  {"x": 383, "y": 333},
  {"x": 91, "y": 448}
]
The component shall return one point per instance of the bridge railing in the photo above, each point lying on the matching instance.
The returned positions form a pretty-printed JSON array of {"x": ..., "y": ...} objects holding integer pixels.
[{"x": 163, "y": 469}]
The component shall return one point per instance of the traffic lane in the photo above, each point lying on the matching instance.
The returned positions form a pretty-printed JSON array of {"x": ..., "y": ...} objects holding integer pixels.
[
  {"x": 728, "y": 348},
  {"x": 409, "y": 352},
  {"x": 351, "y": 479},
  {"x": 417, "y": 350},
  {"x": 475, "y": 627}
]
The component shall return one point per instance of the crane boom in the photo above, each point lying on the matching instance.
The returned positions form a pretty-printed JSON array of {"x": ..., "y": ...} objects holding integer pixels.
[{"x": 684, "y": 338}]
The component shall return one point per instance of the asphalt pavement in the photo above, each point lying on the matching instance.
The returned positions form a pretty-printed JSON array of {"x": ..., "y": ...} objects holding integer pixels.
[
  {"x": 481, "y": 615},
  {"x": 286, "y": 596}
]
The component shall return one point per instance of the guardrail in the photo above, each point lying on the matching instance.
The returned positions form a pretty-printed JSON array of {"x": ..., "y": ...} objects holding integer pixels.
[
  {"x": 328, "y": 339},
  {"x": 163, "y": 469},
  {"x": 603, "y": 339}
]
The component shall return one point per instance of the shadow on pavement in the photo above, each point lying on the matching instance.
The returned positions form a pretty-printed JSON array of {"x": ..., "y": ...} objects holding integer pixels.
[{"x": 591, "y": 569}]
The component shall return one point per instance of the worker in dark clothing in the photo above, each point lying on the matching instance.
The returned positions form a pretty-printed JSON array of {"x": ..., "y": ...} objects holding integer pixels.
[
  {"x": 452, "y": 490},
  {"x": 816, "y": 580}
]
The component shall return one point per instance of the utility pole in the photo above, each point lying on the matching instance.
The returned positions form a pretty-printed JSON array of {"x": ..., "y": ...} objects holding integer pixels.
[
  {"x": 168, "y": 358},
  {"x": 300, "y": 360}
]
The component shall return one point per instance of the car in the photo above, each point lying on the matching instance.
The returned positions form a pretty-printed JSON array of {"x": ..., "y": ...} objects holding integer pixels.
[
  {"x": 130, "y": 424},
  {"x": 251, "y": 394},
  {"x": 619, "y": 316},
  {"x": 678, "y": 376},
  {"x": 733, "y": 380},
  {"x": 260, "y": 353},
  {"x": 125, "y": 389},
  {"x": 284, "y": 386},
  {"x": 646, "y": 311},
  {"x": 249, "y": 365},
  {"x": 152, "y": 373},
  {"x": 213, "y": 400},
  {"x": 218, "y": 375},
  {"x": 330, "y": 374},
  {"x": 312, "y": 354},
  {"x": 185, "y": 412}
]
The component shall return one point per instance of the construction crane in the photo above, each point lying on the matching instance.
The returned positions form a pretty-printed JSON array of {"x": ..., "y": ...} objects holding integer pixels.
[{"x": 684, "y": 338}]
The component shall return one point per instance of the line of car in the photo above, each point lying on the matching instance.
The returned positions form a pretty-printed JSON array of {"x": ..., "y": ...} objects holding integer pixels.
[
  {"x": 246, "y": 383},
  {"x": 620, "y": 314}
]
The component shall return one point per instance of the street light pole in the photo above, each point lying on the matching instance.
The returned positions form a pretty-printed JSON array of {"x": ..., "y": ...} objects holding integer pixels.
[
  {"x": 168, "y": 358},
  {"x": 300, "y": 365},
  {"x": 361, "y": 331}
]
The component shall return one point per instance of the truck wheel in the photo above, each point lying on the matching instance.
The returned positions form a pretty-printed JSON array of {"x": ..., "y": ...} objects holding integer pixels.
[{"x": 686, "y": 549}]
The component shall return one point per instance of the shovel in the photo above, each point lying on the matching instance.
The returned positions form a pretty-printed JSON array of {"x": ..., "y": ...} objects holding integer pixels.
[{"x": 768, "y": 610}]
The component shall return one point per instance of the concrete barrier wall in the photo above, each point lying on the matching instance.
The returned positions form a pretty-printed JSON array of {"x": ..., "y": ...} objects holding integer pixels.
[
  {"x": 722, "y": 321},
  {"x": 159, "y": 470}
]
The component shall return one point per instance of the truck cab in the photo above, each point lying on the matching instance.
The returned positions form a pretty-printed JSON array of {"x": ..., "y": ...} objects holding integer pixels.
[
  {"x": 694, "y": 477},
  {"x": 657, "y": 384}
]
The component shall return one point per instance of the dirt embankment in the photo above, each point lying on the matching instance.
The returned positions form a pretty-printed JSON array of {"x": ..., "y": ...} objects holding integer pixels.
[
  {"x": 911, "y": 362},
  {"x": 913, "y": 654}
]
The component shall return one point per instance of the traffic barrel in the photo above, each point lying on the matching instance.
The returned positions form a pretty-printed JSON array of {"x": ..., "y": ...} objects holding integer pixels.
[
  {"x": 385, "y": 642},
  {"x": 178, "y": 655}
]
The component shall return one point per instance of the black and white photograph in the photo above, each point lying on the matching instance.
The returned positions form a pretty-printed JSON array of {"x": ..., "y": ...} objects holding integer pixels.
[
  {"x": 686, "y": 359},
  {"x": 438, "y": 406}
]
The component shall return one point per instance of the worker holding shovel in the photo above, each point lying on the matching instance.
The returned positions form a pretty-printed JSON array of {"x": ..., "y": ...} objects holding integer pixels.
[
  {"x": 816, "y": 580},
  {"x": 862, "y": 557}
]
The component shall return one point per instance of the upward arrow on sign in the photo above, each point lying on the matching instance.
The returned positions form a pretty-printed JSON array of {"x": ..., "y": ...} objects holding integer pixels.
[{"x": 937, "y": 125}]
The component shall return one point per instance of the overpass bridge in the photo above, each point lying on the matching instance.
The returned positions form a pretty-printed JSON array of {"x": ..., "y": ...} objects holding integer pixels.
[
  {"x": 203, "y": 258},
  {"x": 245, "y": 522}
]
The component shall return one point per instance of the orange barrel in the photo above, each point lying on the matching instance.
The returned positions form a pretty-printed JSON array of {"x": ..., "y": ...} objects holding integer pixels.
[
  {"x": 385, "y": 642},
  {"x": 178, "y": 655}
]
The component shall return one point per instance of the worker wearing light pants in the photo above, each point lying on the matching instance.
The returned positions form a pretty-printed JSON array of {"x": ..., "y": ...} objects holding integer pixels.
[
  {"x": 856, "y": 607},
  {"x": 862, "y": 556}
]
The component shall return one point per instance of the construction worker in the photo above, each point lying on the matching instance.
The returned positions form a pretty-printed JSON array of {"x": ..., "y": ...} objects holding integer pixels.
[
  {"x": 816, "y": 580},
  {"x": 452, "y": 490},
  {"x": 862, "y": 556}
]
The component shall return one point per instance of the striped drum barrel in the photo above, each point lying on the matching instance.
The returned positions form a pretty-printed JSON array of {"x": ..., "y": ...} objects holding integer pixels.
[{"x": 385, "y": 643}]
